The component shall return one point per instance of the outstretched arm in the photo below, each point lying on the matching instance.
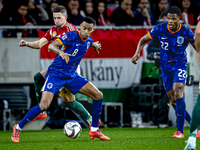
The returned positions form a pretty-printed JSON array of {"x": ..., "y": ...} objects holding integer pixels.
[
  {"x": 96, "y": 46},
  {"x": 197, "y": 41},
  {"x": 140, "y": 46},
  {"x": 197, "y": 37},
  {"x": 54, "y": 48},
  {"x": 36, "y": 44}
]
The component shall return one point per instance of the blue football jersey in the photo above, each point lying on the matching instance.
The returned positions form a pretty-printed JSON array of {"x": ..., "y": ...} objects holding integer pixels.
[
  {"x": 172, "y": 44},
  {"x": 71, "y": 43}
]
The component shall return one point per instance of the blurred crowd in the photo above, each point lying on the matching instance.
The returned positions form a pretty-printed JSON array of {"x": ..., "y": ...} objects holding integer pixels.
[{"x": 105, "y": 12}]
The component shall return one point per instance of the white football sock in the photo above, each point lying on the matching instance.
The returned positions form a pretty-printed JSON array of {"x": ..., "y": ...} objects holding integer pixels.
[
  {"x": 89, "y": 121},
  {"x": 17, "y": 127},
  {"x": 93, "y": 129}
]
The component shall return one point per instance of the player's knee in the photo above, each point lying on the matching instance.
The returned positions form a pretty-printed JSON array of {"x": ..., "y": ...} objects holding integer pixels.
[
  {"x": 43, "y": 105},
  {"x": 178, "y": 94},
  {"x": 67, "y": 96},
  {"x": 98, "y": 95},
  {"x": 178, "y": 91},
  {"x": 36, "y": 77}
]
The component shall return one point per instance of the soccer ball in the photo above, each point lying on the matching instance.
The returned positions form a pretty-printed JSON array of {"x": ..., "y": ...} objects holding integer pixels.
[{"x": 72, "y": 129}]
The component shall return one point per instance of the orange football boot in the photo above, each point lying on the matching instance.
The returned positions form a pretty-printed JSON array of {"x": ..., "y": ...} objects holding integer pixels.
[
  {"x": 15, "y": 134},
  {"x": 178, "y": 134},
  {"x": 98, "y": 134}
]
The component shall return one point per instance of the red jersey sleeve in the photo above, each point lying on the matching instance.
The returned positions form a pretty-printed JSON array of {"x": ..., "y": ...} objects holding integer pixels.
[{"x": 48, "y": 35}]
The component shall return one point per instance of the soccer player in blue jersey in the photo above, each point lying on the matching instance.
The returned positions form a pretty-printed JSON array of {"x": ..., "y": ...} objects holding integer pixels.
[
  {"x": 195, "y": 122},
  {"x": 61, "y": 27},
  {"x": 70, "y": 49},
  {"x": 174, "y": 38}
]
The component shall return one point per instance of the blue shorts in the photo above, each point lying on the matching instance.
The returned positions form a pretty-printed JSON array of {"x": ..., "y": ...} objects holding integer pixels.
[
  {"x": 178, "y": 74},
  {"x": 54, "y": 82}
]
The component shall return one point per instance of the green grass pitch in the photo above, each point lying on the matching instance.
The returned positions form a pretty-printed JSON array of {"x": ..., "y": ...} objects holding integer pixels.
[{"x": 121, "y": 139}]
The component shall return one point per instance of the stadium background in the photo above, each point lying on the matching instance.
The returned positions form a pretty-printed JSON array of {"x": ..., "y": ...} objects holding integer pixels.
[{"x": 111, "y": 71}]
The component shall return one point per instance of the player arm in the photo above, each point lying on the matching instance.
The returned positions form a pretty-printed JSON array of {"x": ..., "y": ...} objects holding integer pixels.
[
  {"x": 197, "y": 37},
  {"x": 142, "y": 43},
  {"x": 140, "y": 46},
  {"x": 96, "y": 46},
  {"x": 36, "y": 44},
  {"x": 197, "y": 42},
  {"x": 54, "y": 47}
]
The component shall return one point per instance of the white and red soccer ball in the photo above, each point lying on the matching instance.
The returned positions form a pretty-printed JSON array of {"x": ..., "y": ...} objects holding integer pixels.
[{"x": 72, "y": 129}]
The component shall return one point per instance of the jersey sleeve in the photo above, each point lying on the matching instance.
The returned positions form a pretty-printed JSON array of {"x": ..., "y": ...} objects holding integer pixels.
[
  {"x": 48, "y": 34},
  {"x": 154, "y": 32},
  {"x": 67, "y": 38}
]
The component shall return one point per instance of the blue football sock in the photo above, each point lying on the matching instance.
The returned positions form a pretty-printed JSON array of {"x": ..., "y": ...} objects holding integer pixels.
[
  {"x": 187, "y": 116},
  {"x": 96, "y": 112},
  {"x": 180, "y": 111},
  {"x": 32, "y": 113}
]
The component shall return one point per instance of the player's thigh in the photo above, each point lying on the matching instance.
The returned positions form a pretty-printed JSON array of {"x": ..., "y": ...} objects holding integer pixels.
[
  {"x": 43, "y": 72},
  {"x": 179, "y": 79},
  {"x": 180, "y": 74},
  {"x": 46, "y": 100},
  {"x": 67, "y": 95},
  {"x": 167, "y": 81},
  {"x": 90, "y": 90}
]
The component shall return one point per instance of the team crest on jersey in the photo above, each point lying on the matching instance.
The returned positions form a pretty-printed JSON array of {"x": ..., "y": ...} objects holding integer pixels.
[
  {"x": 180, "y": 40},
  {"x": 54, "y": 33},
  {"x": 49, "y": 85},
  {"x": 88, "y": 44},
  {"x": 64, "y": 36}
]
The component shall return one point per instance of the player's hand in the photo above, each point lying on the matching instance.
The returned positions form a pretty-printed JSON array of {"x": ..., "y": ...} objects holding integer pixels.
[
  {"x": 22, "y": 43},
  {"x": 96, "y": 46},
  {"x": 135, "y": 58},
  {"x": 65, "y": 56}
]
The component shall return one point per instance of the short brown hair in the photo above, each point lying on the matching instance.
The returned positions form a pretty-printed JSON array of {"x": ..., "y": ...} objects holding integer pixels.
[{"x": 60, "y": 8}]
